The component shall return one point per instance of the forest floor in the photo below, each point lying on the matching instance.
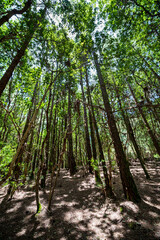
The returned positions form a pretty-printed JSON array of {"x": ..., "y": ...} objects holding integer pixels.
[{"x": 80, "y": 212}]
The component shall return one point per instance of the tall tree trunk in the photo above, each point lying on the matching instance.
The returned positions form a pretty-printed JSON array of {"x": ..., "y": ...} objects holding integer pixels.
[
  {"x": 48, "y": 123},
  {"x": 87, "y": 140},
  {"x": 4, "y": 132},
  {"x": 131, "y": 135},
  {"x": 79, "y": 147},
  {"x": 152, "y": 135},
  {"x": 13, "y": 12},
  {"x": 93, "y": 140},
  {"x": 129, "y": 186},
  {"x": 71, "y": 159},
  {"x": 101, "y": 155},
  {"x": 52, "y": 188},
  {"x": 148, "y": 65},
  {"x": 52, "y": 160},
  {"x": 59, "y": 132},
  {"x": 110, "y": 163},
  {"x": 17, "y": 168},
  {"x": 29, "y": 156},
  {"x": 36, "y": 150},
  {"x": 5, "y": 79},
  {"x": 151, "y": 106},
  {"x": 26, "y": 134},
  {"x": 41, "y": 169}
]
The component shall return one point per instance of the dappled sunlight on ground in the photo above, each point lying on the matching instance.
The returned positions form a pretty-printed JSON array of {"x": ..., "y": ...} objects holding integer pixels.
[{"x": 80, "y": 212}]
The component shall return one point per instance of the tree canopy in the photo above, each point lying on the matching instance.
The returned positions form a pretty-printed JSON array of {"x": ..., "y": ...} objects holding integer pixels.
[{"x": 79, "y": 86}]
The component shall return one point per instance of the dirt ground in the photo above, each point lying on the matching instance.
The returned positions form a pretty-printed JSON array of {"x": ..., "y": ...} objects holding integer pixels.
[{"x": 79, "y": 211}]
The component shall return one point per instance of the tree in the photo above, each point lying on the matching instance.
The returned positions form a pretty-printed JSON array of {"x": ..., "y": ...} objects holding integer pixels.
[
  {"x": 108, "y": 186},
  {"x": 5, "y": 79},
  {"x": 129, "y": 187},
  {"x": 104, "y": 115},
  {"x": 87, "y": 138},
  {"x": 71, "y": 158},
  {"x": 9, "y": 14}
]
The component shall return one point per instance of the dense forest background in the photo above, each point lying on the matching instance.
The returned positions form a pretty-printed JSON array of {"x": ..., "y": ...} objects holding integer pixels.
[{"x": 80, "y": 87}]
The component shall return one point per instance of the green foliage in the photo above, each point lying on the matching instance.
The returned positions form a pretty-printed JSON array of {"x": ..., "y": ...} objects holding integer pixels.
[
  {"x": 6, "y": 155},
  {"x": 94, "y": 164},
  {"x": 125, "y": 37},
  {"x": 157, "y": 157},
  {"x": 121, "y": 209},
  {"x": 39, "y": 209}
]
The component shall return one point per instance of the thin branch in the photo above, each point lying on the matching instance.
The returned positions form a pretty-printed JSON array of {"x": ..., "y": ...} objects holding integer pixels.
[
  {"x": 118, "y": 110},
  {"x": 148, "y": 12},
  {"x": 9, "y": 113}
]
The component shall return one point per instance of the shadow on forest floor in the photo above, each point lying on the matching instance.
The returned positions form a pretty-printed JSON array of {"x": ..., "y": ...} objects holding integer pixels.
[{"x": 79, "y": 211}]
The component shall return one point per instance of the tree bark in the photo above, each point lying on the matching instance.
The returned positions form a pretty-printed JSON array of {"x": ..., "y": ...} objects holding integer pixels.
[
  {"x": 152, "y": 135},
  {"x": 129, "y": 186},
  {"x": 5, "y": 79},
  {"x": 13, "y": 12},
  {"x": 41, "y": 168},
  {"x": 29, "y": 156},
  {"x": 93, "y": 140},
  {"x": 87, "y": 139},
  {"x": 146, "y": 10},
  {"x": 52, "y": 188},
  {"x": 108, "y": 186},
  {"x": 131, "y": 136},
  {"x": 25, "y": 136},
  {"x": 52, "y": 160},
  {"x": 71, "y": 158},
  {"x": 48, "y": 123},
  {"x": 36, "y": 150}
]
